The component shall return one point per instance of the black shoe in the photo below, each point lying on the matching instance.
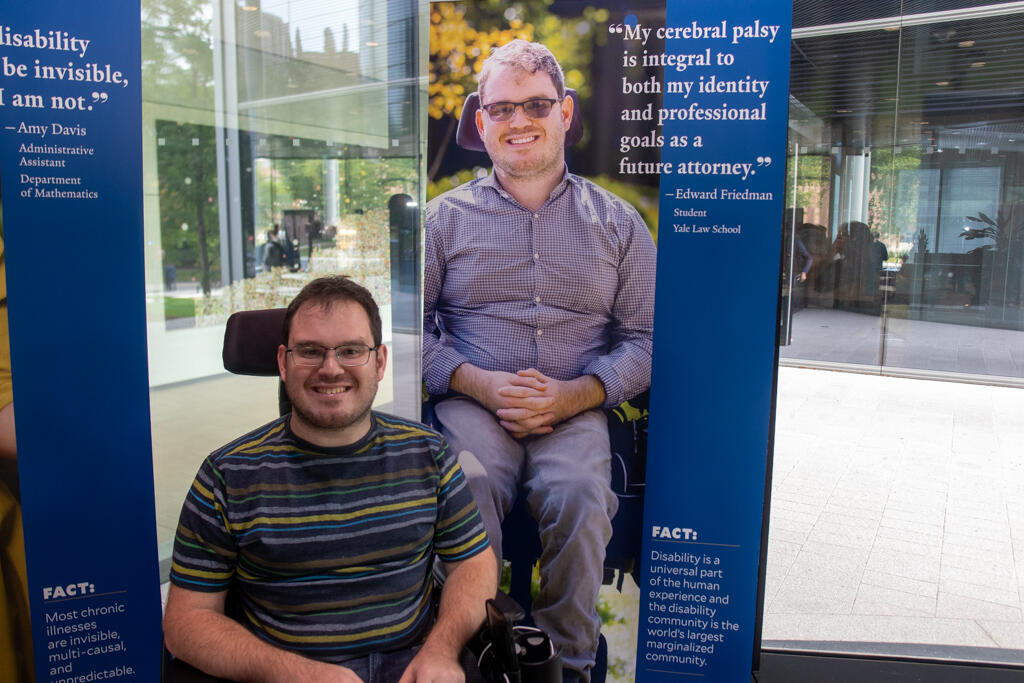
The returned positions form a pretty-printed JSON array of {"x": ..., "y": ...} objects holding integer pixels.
[{"x": 571, "y": 676}]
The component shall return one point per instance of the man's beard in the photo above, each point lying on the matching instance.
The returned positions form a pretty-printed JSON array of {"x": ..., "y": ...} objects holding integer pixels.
[
  {"x": 529, "y": 168},
  {"x": 550, "y": 158},
  {"x": 305, "y": 408},
  {"x": 340, "y": 421}
]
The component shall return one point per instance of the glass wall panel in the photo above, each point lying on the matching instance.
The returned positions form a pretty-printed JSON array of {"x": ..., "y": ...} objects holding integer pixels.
[
  {"x": 843, "y": 103},
  {"x": 904, "y": 228},
  {"x": 896, "y": 524},
  {"x": 957, "y": 304},
  {"x": 281, "y": 143}
]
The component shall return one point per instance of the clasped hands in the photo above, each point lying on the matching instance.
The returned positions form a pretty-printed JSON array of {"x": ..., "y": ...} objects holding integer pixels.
[{"x": 529, "y": 402}]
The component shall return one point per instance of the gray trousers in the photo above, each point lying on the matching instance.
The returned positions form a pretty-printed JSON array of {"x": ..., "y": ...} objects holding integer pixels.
[{"x": 567, "y": 477}]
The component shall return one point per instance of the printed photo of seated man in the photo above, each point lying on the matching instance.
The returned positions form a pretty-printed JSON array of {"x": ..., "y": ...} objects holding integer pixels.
[{"x": 538, "y": 315}]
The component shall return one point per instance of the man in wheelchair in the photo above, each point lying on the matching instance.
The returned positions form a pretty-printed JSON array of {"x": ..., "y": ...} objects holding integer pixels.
[
  {"x": 324, "y": 525},
  {"x": 538, "y": 311}
]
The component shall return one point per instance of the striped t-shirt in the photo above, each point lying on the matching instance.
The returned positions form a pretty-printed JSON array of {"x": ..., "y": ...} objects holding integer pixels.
[{"x": 328, "y": 550}]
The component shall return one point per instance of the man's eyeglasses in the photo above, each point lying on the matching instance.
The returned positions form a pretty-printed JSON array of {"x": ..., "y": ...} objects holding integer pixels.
[
  {"x": 348, "y": 355},
  {"x": 537, "y": 108}
]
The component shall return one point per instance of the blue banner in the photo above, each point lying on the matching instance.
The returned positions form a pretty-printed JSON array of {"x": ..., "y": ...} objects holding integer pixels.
[
  {"x": 721, "y": 127},
  {"x": 71, "y": 168}
]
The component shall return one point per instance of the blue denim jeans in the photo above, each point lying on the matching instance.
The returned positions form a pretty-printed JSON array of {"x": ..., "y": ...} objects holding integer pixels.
[
  {"x": 388, "y": 667},
  {"x": 382, "y": 667}
]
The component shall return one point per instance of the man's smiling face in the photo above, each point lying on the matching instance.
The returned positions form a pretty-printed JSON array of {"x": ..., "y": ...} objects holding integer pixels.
[
  {"x": 523, "y": 148},
  {"x": 331, "y": 402}
]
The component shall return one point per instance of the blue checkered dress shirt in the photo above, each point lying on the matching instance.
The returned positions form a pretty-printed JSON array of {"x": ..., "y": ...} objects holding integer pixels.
[{"x": 568, "y": 290}]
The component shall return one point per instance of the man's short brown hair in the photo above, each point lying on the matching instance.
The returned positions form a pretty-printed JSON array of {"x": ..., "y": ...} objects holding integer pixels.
[
  {"x": 327, "y": 291},
  {"x": 526, "y": 56}
]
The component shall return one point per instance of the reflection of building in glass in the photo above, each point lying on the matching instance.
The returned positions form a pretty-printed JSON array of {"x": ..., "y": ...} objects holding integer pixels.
[
  {"x": 906, "y": 169},
  {"x": 257, "y": 111}
]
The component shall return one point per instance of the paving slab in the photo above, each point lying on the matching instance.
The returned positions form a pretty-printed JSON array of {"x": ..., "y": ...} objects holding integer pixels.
[{"x": 914, "y": 536}]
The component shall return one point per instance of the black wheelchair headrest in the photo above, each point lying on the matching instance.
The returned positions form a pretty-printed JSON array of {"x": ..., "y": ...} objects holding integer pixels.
[
  {"x": 251, "y": 339},
  {"x": 468, "y": 137}
]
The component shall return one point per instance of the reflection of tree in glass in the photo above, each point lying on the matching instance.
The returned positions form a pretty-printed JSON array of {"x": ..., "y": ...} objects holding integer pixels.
[
  {"x": 1003, "y": 267},
  {"x": 177, "y": 71},
  {"x": 177, "y": 54},
  {"x": 894, "y": 219},
  {"x": 363, "y": 185},
  {"x": 368, "y": 184},
  {"x": 187, "y": 162}
]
